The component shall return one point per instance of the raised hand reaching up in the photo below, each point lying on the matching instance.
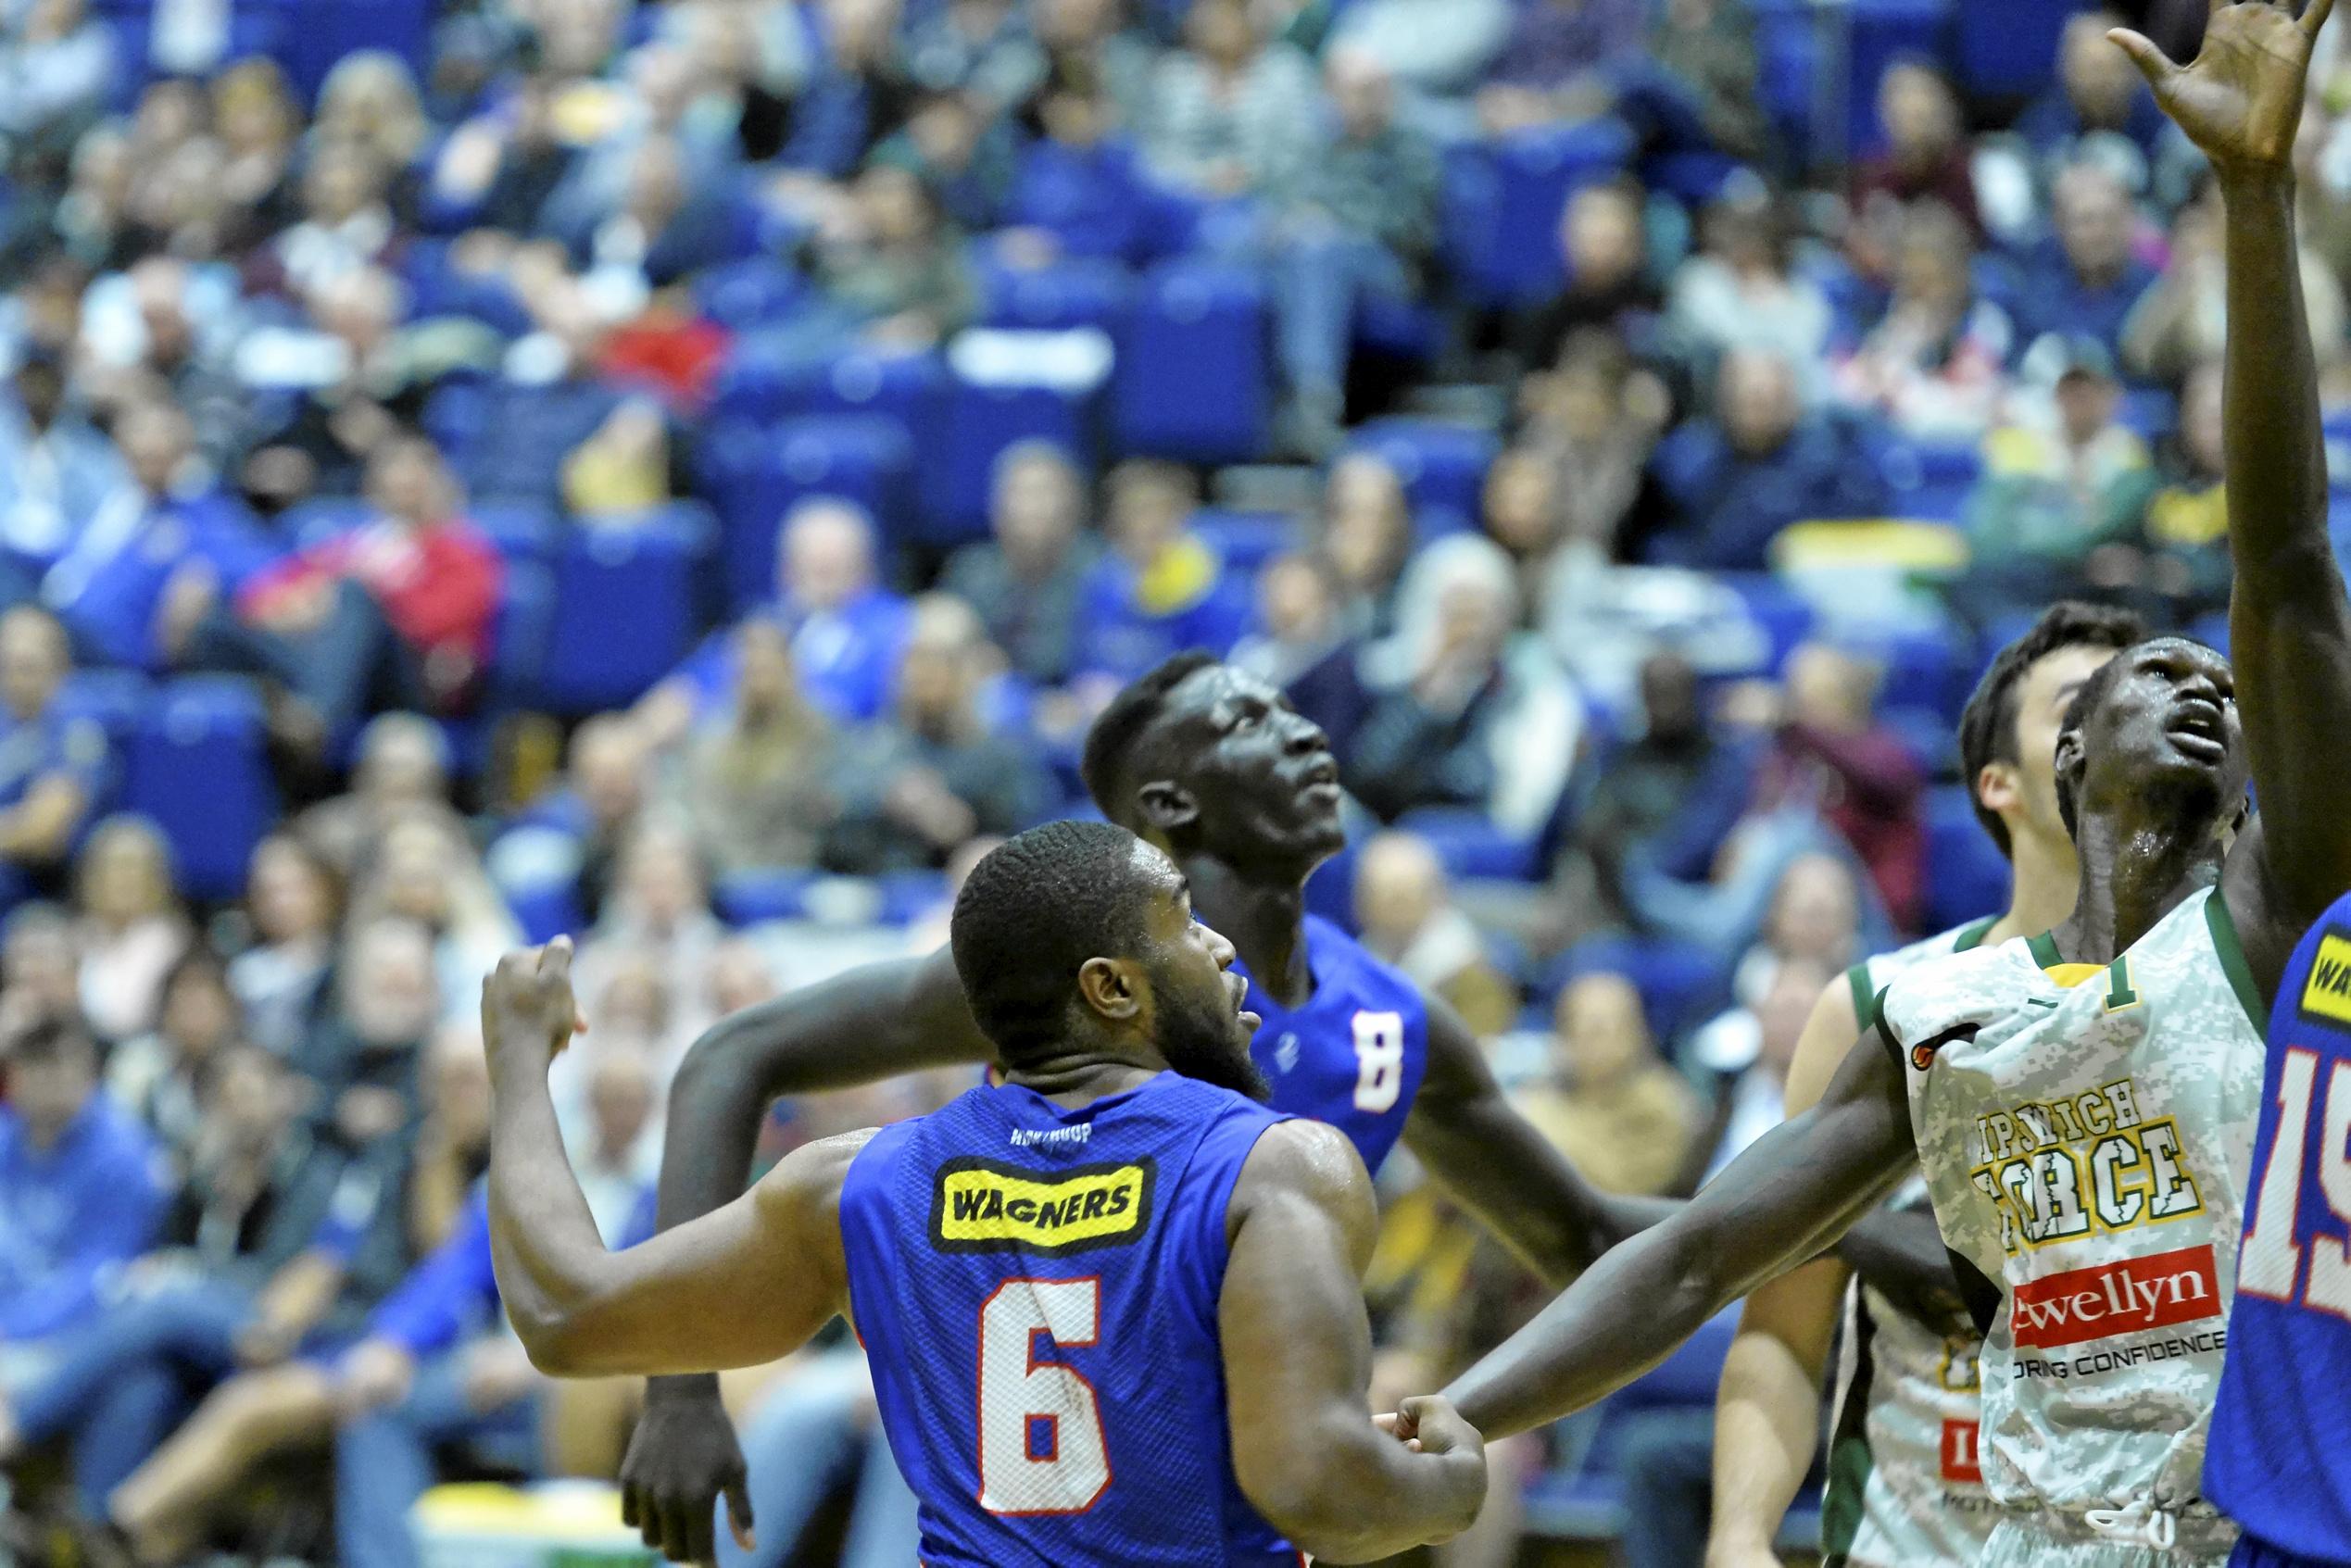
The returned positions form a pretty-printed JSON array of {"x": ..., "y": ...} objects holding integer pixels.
[{"x": 2240, "y": 101}]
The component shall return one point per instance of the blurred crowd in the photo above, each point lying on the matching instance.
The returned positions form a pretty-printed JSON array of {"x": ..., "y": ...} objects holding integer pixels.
[{"x": 686, "y": 473}]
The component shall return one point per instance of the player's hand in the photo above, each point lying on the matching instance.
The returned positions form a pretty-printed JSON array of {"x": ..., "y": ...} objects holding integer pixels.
[
  {"x": 527, "y": 1004},
  {"x": 681, "y": 1459},
  {"x": 1428, "y": 1424},
  {"x": 2240, "y": 101}
]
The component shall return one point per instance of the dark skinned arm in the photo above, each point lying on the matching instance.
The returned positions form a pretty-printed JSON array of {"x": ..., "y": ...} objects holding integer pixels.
[
  {"x": 1494, "y": 1162},
  {"x": 1790, "y": 1195},
  {"x": 2289, "y": 624},
  {"x": 1297, "y": 1359},
  {"x": 873, "y": 1022}
]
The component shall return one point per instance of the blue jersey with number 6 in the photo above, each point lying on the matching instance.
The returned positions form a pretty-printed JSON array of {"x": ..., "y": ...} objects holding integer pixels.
[
  {"x": 2279, "y": 1460},
  {"x": 1036, "y": 1289}
]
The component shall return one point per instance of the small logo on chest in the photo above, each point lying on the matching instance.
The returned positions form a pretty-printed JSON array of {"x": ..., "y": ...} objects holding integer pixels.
[{"x": 1286, "y": 1051}]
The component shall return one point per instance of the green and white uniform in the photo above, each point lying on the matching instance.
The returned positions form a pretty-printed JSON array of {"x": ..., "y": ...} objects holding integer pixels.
[
  {"x": 1903, "y": 1487},
  {"x": 2085, "y": 1132}
]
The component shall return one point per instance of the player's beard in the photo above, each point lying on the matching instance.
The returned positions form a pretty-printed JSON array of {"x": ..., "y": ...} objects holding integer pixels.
[{"x": 1207, "y": 1043}]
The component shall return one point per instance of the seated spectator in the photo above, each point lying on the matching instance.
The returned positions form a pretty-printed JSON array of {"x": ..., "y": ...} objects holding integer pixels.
[
  {"x": 403, "y": 767},
  {"x": 257, "y": 120},
  {"x": 499, "y": 170},
  {"x": 1161, "y": 589},
  {"x": 1603, "y": 247},
  {"x": 293, "y": 903},
  {"x": 43, "y": 968},
  {"x": 2053, "y": 495},
  {"x": 397, "y": 612},
  {"x": 910, "y": 788},
  {"x": 363, "y": 1056},
  {"x": 1095, "y": 47},
  {"x": 848, "y": 631},
  {"x": 1758, "y": 467},
  {"x": 618, "y": 1151},
  {"x": 1747, "y": 1052},
  {"x": 1027, "y": 582},
  {"x": 1524, "y": 513},
  {"x": 1594, "y": 418},
  {"x": 168, "y": 545},
  {"x": 966, "y": 158},
  {"x": 1927, "y": 155},
  {"x": 1831, "y": 754},
  {"x": 1303, "y": 645},
  {"x": 752, "y": 779},
  {"x": 423, "y": 869},
  {"x": 2092, "y": 282},
  {"x": 1437, "y": 48},
  {"x": 1550, "y": 63},
  {"x": 54, "y": 73},
  {"x": 79, "y": 1193},
  {"x": 370, "y": 100},
  {"x": 1739, "y": 291},
  {"x": 659, "y": 915},
  {"x": 2182, "y": 322},
  {"x": 54, "y": 770},
  {"x": 1366, "y": 539},
  {"x": 1361, "y": 225},
  {"x": 132, "y": 928},
  {"x": 897, "y": 274},
  {"x": 661, "y": 230},
  {"x": 1626, "y": 1117},
  {"x": 160, "y": 1077},
  {"x": 453, "y": 1146},
  {"x": 1079, "y": 190},
  {"x": 347, "y": 224},
  {"x": 1473, "y": 712},
  {"x": 2186, "y": 540},
  {"x": 1231, "y": 114},
  {"x": 57, "y": 473},
  {"x": 163, "y": 331},
  {"x": 1934, "y": 365},
  {"x": 1405, "y": 913},
  {"x": 2097, "y": 90},
  {"x": 856, "y": 94},
  {"x": 593, "y": 809}
]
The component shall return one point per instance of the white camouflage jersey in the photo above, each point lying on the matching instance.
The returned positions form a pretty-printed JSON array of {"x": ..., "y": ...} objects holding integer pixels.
[
  {"x": 2085, "y": 1132},
  {"x": 1903, "y": 1487}
]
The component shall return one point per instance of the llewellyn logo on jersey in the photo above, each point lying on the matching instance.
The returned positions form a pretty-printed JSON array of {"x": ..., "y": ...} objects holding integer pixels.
[
  {"x": 980, "y": 1206},
  {"x": 2125, "y": 1296},
  {"x": 2326, "y": 995}
]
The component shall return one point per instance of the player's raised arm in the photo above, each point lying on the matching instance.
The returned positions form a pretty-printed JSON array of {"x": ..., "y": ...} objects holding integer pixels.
[
  {"x": 1298, "y": 1355},
  {"x": 675, "y": 1303},
  {"x": 2289, "y": 625},
  {"x": 1791, "y": 1194}
]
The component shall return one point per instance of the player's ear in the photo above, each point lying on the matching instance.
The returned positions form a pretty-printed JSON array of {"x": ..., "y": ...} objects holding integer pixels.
[
  {"x": 1112, "y": 988},
  {"x": 1167, "y": 807},
  {"x": 1999, "y": 788}
]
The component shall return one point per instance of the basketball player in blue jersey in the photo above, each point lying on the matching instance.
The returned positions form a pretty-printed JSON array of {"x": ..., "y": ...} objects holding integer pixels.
[
  {"x": 2279, "y": 1461},
  {"x": 1112, "y": 1303}
]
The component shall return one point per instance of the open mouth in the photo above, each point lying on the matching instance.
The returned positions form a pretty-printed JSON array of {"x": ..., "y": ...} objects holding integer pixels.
[
  {"x": 2198, "y": 728},
  {"x": 1320, "y": 782},
  {"x": 1240, "y": 988}
]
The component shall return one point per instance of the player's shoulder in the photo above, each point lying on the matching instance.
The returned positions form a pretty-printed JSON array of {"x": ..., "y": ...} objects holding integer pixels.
[
  {"x": 1940, "y": 993},
  {"x": 1297, "y": 1157},
  {"x": 1343, "y": 964}
]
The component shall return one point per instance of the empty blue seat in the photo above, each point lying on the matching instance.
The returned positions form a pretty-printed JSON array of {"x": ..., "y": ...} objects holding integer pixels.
[
  {"x": 1194, "y": 379},
  {"x": 319, "y": 33},
  {"x": 1967, "y": 877},
  {"x": 749, "y": 898},
  {"x": 1502, "y": 201},
  {"x": 624, "y": 609},
  {"x": 200, "y": 767},
  {"x": 521, "y": 635},
  {"x": 958, "y": 472},
  {"x": 1784, "y": 615},
  {"x": 519, "y": 530},
  {"x": 1442, "y": 466},
  {"x": 1093, "y": 293},
  {"x": 1790, "y": 47},
  {"x": 1927, "y": 668},
  {"x": 1471, "y": 844},
  {"x": 2008, "y": 48},
  {"x": 912, "y": 388}
]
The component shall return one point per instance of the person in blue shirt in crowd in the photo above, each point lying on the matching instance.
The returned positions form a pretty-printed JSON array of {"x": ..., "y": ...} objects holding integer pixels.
[
  {"x": 165, "y": 547},
  {"x": 2096, "y": 91},
  {"x": 2089, "y": 280},
  {"x": 54, "y": 769},
  {"x": 56, "y": 469},
  {"x": 1162, "y": 589},
  {"x": 81, "y": 1192}
]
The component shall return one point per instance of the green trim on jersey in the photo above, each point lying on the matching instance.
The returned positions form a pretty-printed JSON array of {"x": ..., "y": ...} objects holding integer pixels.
[
  {"x": 1966, "y": 939},
  {"x": 2232, "y": 961},
  {"x": 2045, "y": 951},
  {"x": 1844, "y": 1496}
]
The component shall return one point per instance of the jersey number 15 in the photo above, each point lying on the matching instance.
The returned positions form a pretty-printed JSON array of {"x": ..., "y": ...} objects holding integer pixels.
[{"x": 2271, "y": 1264}]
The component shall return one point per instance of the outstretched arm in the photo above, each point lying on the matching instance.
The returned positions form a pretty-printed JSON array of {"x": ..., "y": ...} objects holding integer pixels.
[
  {"x": 1298, "y": 1357},
  {"x": 2289, "y": 624},
  {"x": 1496, "y": 1164},
  {"x": 1781, "y": 1201},
  {"x": 675, "y": 1303}
]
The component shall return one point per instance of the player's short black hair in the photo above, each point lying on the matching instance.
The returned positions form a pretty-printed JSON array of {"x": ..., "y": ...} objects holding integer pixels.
[
  {"x": 1030, "y": 915},
  {"x": 1988, "y": 727},
  {"x": 1111, "y": 745},
  {"x": 2085, "y": 702}
]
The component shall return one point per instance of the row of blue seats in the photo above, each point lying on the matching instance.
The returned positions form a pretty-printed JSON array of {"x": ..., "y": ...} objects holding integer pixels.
[{"x": 305, "y": 36}]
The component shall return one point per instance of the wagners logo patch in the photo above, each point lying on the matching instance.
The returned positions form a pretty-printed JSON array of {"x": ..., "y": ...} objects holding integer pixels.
[
  {"x": 980, "y": 1206},
  {"x": 2126, "y": 1296},
  {"x": 2326, "y": 995}
]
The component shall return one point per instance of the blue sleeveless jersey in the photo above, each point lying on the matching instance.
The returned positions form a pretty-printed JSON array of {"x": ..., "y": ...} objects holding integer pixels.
[
  {"x": 1037, "y": 1291},
  {"x": 2279, "y": 1461},
  {"x": 1354, "y": 1055}
]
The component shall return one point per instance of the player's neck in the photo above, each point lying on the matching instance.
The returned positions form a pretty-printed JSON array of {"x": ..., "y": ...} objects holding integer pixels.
[
  {"x": 1083, "y": 1077},
  {"x": 2133, "y": 874},
  {"x": 1265, "y": 921},
  {"x": 2044, "y": 881}
]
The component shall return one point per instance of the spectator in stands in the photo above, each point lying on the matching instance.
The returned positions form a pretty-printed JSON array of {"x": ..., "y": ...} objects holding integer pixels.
[
  {"x": 602, "y": 796},
  {"x": 539, "y": 420},
  {"x": 161, "y": 552},
  {"x": 160, "y": 1077},
  {"x": 965, "y": 158},
  {"x": 294, "y": 902},
  {"x": 1367, "y": 538},
  {"x": 752, "y": 778},
  {"x": 54, "y": 769},
  {"x": 2090, "y": 285},
  {"x": 1747, "y": 1052},
  {"x": 1759, "y": 465},
  {"x": 1628, "y": 1118},
  {"x": 453, "y": 1146},
  {"x": 363, "y": 1057},
  {"x": 659, "y": 232},
  {"x": 1161, "y": 588},
  {"x": 1435, "y": 48},
  {"x": 347, "y": 224},
  {"x": 78, "y": 1192},
  {"x": 2097, "y": 90},
  {"x": 981, "y": 49},
  {"x": 1927, "y": 155},
  {"x": 2182, "y": 322},
  {"x": 1079, "y": 189},
  {"x": 55, "y": 72},
  {"x": 500, "y": 170},
  {"x": 1595, "y": 418},
  {"x": 1405, "y": 912},
  {"x": 2185, "y": 541},
  {"x": 1833, "y": 755},
  {"x": 1935, "y": 364},
  {"x": 914, "y": 787},
  {"x": 56, "y": 473},
  {"x": 403, "y": 767},
  {"x": 1604, "y": 246},
  {"x": 397, "y": 611},
  {"x": 1028, "y": 580},
  {"x": 1550, "y": 65},
  {"x": 659, "y": 912},
  {"x": 1231, "y": 114},
  {"x": 2055, "y": 493},
  {"x": 1473, "y": 714},
  {"x": 1740, "y": 290},
  {"x": 855, "y": 96},
  {"x": 892, "y": 271},
  {"x": 1303, "y": 647},
  {"x": 257, "y": 120},
  {"x": 1094, "y": 48},
  {"x": 618, "y": 1151},
  {"x": 163, "y": 331},
  {"x": 132, "y": 926},
  {"x": 43, "y": 968},
  {"x": 370, "y": 100},
  {"x": 1361, "y": 225},
  {"x": 423, "y": 869}
]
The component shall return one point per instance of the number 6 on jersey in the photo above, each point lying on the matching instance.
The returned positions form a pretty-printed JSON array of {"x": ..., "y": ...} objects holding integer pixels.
[{"x": 1042, "y": 1449}]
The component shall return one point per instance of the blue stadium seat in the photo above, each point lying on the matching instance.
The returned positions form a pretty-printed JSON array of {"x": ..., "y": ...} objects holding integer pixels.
[
  {"x": 907, "y": 897},
  {"x": 117, "y": 701},
  {"x": 1470, "y": 844},
  {"x": 1783, "y": 614},
  {"x": 1789, "y": 45},
  {"x": 1502, "y": 201},
  {"x": 912, "y": 388},
  {"x": 200, "y": 767},
  {"x": 319, "y": 33},
  {"x": 2008, "y": 48},
  {"x": 753, "y": 476},
  {"x": 624, "y": 609},
  {"x": 2152, "y": 411},
  {"x": 1067, "y": 295},
  {"x": 519, "y": 530},
  {"x": 1966, "y": 878},
  {"x": 519, "y": 637},
  {"x": 1442, "y": 466},
  {"x": 1194, "y": 379},
  {"x": 1246, "y": 541},
  {"x": 958, "y": 472},
  {"x": 744, "y": 295},
  {"x": 749, "y": 898},
  {"x": 1927, "y": 668}
]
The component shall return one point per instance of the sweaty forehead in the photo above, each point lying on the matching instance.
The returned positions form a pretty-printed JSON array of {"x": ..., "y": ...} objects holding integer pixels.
[
  {"x": 2177, "y": 652},
  {"x": 1201, "y": 694}
]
